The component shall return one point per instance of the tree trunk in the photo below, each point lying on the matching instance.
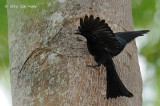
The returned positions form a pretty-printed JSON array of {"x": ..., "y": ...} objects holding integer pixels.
[{"x": 48, "y": 61}]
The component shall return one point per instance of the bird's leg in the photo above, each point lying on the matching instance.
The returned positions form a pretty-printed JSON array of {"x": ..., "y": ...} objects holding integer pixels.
[{"x": 94, "y": 66}]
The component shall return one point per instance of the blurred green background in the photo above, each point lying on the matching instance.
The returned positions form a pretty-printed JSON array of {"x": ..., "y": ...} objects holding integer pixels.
[{"x": 146, "y": 15}]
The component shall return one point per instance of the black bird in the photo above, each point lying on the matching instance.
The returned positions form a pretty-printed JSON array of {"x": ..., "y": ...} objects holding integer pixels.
[{"x": 103, "y": 45}]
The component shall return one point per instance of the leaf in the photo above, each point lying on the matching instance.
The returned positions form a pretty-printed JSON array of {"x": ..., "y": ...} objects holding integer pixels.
[{"x": 143, "y": 12}]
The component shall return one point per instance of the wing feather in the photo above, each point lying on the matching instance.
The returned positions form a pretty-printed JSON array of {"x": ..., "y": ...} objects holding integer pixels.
[{"x": 100, "y": 30}]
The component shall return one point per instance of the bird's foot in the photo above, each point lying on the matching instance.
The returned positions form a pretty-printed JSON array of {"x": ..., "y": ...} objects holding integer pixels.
[{"x": 94, "y": 66}]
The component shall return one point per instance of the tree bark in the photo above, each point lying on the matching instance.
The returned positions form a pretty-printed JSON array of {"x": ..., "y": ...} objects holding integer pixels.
[{"x": 48, "y": 61}]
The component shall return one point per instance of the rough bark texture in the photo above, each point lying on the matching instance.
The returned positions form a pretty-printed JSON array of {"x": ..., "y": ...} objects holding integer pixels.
[{"x": 52, "y": 60}]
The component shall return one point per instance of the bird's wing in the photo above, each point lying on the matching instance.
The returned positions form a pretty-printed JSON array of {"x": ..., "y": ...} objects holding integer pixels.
[
  {"x": 126, "y": 37},
  {"x": 100, "y": 30}
]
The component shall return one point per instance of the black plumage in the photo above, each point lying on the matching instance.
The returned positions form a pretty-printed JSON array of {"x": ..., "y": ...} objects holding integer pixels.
[{"x": 103, "y": 45}]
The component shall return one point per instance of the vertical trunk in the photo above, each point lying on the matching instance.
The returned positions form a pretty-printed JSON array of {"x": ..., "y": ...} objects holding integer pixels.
[{"x": 48, "y": 62}]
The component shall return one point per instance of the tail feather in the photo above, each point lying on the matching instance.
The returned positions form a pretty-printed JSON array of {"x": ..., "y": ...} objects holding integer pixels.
[{"x": 115, "y": 87}]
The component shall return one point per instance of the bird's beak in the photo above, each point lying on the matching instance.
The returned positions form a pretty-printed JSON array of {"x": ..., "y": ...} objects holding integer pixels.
[{"x": 77, "y": 32}]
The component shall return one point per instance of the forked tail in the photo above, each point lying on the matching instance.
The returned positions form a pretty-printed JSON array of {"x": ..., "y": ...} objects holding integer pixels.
[{"x": 115, "y": 87}]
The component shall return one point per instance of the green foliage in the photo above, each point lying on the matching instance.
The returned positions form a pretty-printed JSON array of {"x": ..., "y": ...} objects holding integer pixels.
[
  {"x": 146, "y": 16},
  {"x": 151, "y": 51},
  {"x": 143, "y": 12},
  {"x": 4, "y": 53}
]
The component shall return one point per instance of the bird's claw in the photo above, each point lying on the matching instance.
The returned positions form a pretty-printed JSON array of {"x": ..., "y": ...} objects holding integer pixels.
[{"x": 95, "y": 66}]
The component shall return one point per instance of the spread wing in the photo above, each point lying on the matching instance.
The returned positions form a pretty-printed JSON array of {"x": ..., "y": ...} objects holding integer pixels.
[
  {"x": 99, "y": 30},
  {"x": 126, "y": 37}
]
